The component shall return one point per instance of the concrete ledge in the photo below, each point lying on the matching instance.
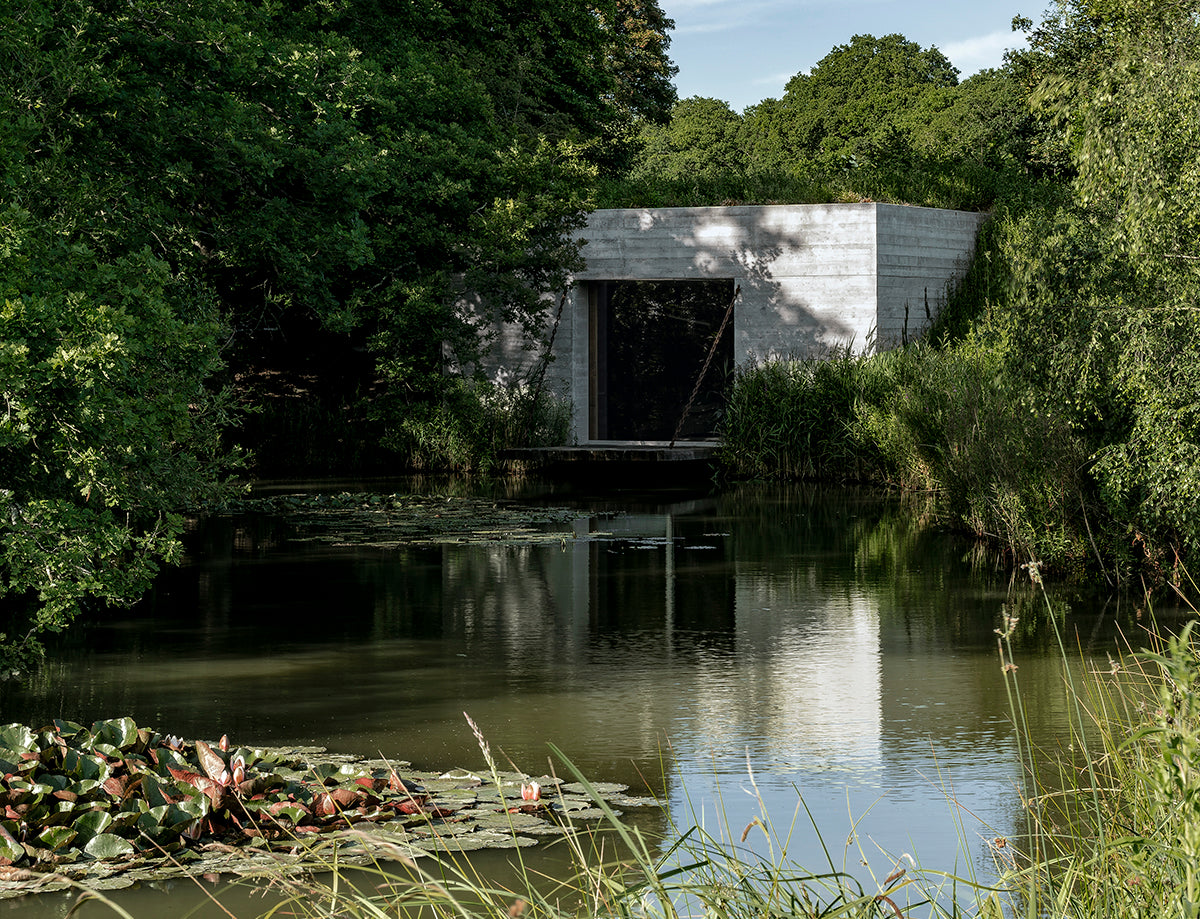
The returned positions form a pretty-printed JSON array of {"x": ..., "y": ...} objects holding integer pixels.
[{"x": 617, "y": 452}]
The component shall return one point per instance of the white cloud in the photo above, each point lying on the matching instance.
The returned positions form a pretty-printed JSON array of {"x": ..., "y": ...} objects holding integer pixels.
[
  {"x": 971, "y": 55},
  {"x": 718, "y": 25},
  {"x": 776, "y": 79}
]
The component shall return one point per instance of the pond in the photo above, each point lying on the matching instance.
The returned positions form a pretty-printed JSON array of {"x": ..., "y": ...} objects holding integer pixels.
[{"x": 700, "y": 644}]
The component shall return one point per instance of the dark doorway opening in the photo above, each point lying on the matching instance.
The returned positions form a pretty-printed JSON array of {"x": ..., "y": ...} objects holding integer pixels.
[{"x": 649, "y": 341}]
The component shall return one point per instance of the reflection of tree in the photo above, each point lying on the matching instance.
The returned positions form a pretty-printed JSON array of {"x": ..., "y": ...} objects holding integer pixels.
[
  {"x": 502, "y": 602},
  {"x": 932, "y": 586}
]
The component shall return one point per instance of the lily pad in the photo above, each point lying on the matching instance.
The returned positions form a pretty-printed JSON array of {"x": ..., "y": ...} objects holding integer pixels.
[
  {"x": 16, "y": 739},
  {"x": 108, "y": 845},
  {"x": 85, "y": 813},
  {"x": 91, "y": 824},
  {"x": 57, "y": 837},
  {"x": 11, "y": 851}
]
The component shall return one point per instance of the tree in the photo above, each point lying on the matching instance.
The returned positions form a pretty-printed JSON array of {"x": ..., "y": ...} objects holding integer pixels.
[
  {"x": 195, "y": 190},
  {"x": 1106, "y": 318},
  {"x": 857, "y": 92},
  {"x": 702, "y": 139},
  {"x": 985, "y": 119},
  {"x": 638, "y": 38},
  {"x": 108, "y": 428}
]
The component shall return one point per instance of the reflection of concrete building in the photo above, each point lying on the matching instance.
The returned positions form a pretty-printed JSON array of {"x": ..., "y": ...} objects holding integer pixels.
[
  {"x": 821, "y": 670},
  {"x": 811, "y": 277},
  {"x": 744, "y": 655}
]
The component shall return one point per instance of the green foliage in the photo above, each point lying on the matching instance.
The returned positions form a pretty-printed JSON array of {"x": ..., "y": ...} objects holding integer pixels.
[
  {"x": 796, "y": 419},
  {"x": 295, "y": 191},
  {"x": 942, "y": 421},
  {"x": 300, "y": 163},
  {"x": 984, "y": 119},
  {"x": 851, "y": 98},
  {"x": 700, "y": 140},
  {"x": 1100, "y": 317},
  {"x": 878, "y": 119},
  {"x": 107, "y": 427},
  {"x": 1009, "y": 472},
  {"x": 1113, "y": 817},
  {"x": 473, "y": 422}
]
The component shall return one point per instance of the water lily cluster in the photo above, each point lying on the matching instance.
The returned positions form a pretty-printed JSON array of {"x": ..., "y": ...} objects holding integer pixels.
[{"x": 72, "y": 793}]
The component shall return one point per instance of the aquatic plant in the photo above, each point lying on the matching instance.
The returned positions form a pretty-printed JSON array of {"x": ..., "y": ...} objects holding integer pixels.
[
  {"x": 115, "y": 799},
  {"x": 71, "y": 792}
]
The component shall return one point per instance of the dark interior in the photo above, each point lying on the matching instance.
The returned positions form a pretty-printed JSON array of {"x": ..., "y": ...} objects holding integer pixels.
[{"x": 651, "y": 339}]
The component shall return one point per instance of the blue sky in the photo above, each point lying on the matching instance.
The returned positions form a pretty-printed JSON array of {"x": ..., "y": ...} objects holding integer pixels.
[{"x": 744, "y": 51}]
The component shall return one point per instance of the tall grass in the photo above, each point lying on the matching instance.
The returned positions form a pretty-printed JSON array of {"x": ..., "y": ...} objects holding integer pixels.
[
  {"x": 1114, "y": 819},
  {"x": 943, "y": 421},
  {"x": 797, "y": 419},
  {"x": 962, "y": 185},
  {"x": 615, "y": 871}
]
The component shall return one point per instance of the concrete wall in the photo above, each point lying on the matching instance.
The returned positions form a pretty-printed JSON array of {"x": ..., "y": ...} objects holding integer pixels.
[
  {"x": 812, "y": 277},
  {"x": 921, "y": 253}
]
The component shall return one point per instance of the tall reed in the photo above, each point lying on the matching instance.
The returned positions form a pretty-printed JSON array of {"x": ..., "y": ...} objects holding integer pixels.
[
  {"x": 796, "y": 419},
  {"x": 1114, "y": 819}
]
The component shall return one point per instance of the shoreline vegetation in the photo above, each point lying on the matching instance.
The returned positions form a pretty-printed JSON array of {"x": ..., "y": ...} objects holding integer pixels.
[
  {"x": 232, "y": 227},
  {"x": 113, "y": 805}
]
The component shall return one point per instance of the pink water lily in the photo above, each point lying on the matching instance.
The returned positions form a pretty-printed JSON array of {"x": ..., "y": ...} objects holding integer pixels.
[{"x": 531, "y": 791}]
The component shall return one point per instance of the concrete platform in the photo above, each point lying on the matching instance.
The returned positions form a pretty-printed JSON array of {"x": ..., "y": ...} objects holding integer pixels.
[{"x": 617, "y": 451}]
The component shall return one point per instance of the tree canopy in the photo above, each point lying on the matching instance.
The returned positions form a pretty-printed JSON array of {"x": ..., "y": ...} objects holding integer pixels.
[
  {"x": 196, "y": 190},
  {"x": 856, "y": 93},
  {"x": 886, "y": 110},
  {"x": 1106, "y": 285}
]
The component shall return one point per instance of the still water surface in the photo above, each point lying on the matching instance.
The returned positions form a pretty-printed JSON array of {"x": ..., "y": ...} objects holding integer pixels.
[{"x": 696, "y": 644}]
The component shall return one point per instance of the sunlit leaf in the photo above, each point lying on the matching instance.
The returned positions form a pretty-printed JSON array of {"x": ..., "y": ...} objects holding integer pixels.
[
  {"x": 119, "y": 732},
  {"x": 10, "y": 849},
  {"x": 67, "y": 729},
  {"x": 210, "y": 761},
  {"x": 92, "y": 823},
  {"x": 107, "y": 845},
  {"x": 16, "y": 739}
]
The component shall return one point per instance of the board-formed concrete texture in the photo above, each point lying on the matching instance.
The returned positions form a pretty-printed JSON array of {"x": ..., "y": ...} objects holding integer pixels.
[{"x": 812, "y": 277}]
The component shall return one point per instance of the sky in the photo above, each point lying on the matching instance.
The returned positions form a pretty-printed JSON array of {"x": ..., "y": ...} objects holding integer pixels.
[{"x": 744, "y": 51}]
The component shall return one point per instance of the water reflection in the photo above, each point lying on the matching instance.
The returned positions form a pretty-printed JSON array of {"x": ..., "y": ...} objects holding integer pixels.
[{"x": 824, "y": 640}]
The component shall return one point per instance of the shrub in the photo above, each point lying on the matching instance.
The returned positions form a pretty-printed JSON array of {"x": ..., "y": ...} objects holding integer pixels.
[
  {"x": 951, "y": 422},
  {"x": 796, "y": 419},
  {"x": 466, "y": 430}
]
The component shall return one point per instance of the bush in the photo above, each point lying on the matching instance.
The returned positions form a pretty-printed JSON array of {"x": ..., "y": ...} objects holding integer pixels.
[
  {"x": 473, "y": 422},
  {"x": 944, "y": 421},
  {"x": 951, "y": 422}
]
